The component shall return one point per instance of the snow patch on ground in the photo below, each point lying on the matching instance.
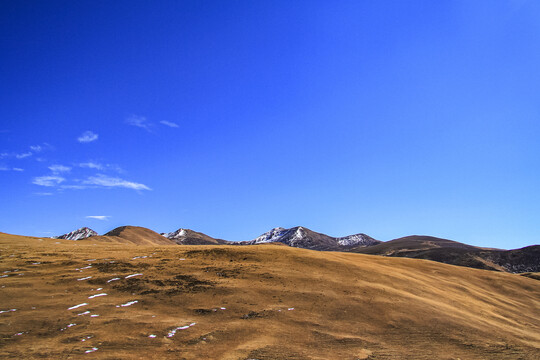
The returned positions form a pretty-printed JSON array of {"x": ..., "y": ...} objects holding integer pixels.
[
  {"x": 132, "y": 275},
  {"x": 91, "y": 350},
  {"x": 97, "y": 295},
  {"x": 129, "y": 303},
  {"x": 5, "y": 311},
  {"x": 173, "y": 331},
  {"x": 77, "y": 306}
]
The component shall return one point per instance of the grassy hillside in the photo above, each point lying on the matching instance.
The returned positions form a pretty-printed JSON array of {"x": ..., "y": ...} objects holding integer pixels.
[
  {"x": 135, "y": 235},
  {"x": 257, "y": 302},
  {"x": 526, "y": 259}
]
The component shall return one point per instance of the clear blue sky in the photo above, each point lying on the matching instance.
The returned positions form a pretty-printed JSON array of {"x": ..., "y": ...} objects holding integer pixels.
[{"x": 232, "y": 117}]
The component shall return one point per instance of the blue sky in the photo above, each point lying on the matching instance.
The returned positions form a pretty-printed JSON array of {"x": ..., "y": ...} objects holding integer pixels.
[{"x": 232, "y": 117}]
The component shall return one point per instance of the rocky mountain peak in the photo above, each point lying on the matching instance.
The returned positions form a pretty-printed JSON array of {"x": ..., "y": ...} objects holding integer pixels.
[
  {"x": 78, "y": 234},
  {"x": 302, "y": 237}
]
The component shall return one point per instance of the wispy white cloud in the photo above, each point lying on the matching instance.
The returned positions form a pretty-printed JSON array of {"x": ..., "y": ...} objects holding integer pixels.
[
  {"x": 92, "y": 165},
  {"x": 75, "y": 187},
  {"x": 107, "y": 181},
  {"x": 100, "y": 166},
  {"x": 59, "y": 168},
  {"x": 48, "y": 180},
  {"x": 43, "y": 193},
  {"x": 169, "y": 124},
  {"x": 98, "y": 217},
  {"x": 116, "y": 168},
  {"x": 23, "y": 155},
  {"x": 5, "y": 168},
  {"x": 34, "y": 149},
  {"x": 87, "y": 136},
  {"x": 139, "y": 121},
  {"x": 42, "y": 147}
]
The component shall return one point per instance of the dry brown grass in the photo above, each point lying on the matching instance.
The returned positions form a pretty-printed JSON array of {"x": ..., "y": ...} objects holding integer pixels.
[{"x": 346, "y": 306}]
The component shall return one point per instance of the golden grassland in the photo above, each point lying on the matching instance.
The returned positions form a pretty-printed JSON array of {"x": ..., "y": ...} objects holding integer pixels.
[{"x": 254, "y": 302}]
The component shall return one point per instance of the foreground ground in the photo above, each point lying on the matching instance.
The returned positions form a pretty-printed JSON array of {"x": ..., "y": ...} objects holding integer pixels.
[{"x": 256, "y": 302}]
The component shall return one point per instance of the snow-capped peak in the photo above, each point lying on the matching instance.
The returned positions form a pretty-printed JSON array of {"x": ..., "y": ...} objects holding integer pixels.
[
  {"x": 180, "y": 233},
  {"x": 356, "y": 239},
  {"x": 298, "y": 236},
  {"x": 270, "y": 236},
  {"x": 299, "y": 233},
  {"x": 78, "y": 234},
  {"x": 302, "y": 237}
]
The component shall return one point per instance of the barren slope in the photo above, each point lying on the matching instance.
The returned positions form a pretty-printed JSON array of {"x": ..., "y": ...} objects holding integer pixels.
[
  {"x": 260, "y": 302},
  {"x": 131, "y": 235},
  {"x": 526, "y": 259}
]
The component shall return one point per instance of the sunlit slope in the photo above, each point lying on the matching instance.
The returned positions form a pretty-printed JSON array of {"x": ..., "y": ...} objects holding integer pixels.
[
  {"x": 131, "y": 235},
  {"x": 260, "y": 302}
]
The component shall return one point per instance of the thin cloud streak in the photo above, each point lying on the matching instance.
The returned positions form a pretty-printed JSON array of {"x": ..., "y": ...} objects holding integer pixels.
[
  {"x": 91, "y": 165},
  {"x": 98, "y": 217},
  {"x": 43, "y": 193},
  {"x": 76, "y": 187},
  {"x": 169, "y": 124},
  {"x": 23, "y": 155},
  {"x": 102, "y": 167},
  {"x": 59, "y": 168},
  {"x": 48, "y": 180},
  {"x": 111, "y": 182},
  {"x": 87, "y": 136}
]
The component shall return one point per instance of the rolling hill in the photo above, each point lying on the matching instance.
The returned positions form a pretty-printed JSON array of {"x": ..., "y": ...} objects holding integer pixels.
[
  {"x": 135, "y": 235},
  {"x": 452, "y": 252},
  {"x": 69, "y": 299},
  {"x": 421, "y": 247}
]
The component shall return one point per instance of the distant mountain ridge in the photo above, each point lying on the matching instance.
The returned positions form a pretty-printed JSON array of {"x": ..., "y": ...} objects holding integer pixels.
[
  {"x": 526, "y": 259},
  {"x": 305, "y": 238},
  {"x": 522, "y": 260}
]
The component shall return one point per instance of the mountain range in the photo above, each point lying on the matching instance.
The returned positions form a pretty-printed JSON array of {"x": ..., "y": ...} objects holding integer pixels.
[
  {"x": 305, "y": 238},
  {"x": 524, "y": 260}
]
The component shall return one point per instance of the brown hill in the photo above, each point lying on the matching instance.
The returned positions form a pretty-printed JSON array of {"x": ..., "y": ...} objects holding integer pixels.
[
  {"x": 452, "y": 252},
  {"x": 135, "y": 235},
  {"x": 190, "y": 237},
  {"x": 61, "y": 299}
]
